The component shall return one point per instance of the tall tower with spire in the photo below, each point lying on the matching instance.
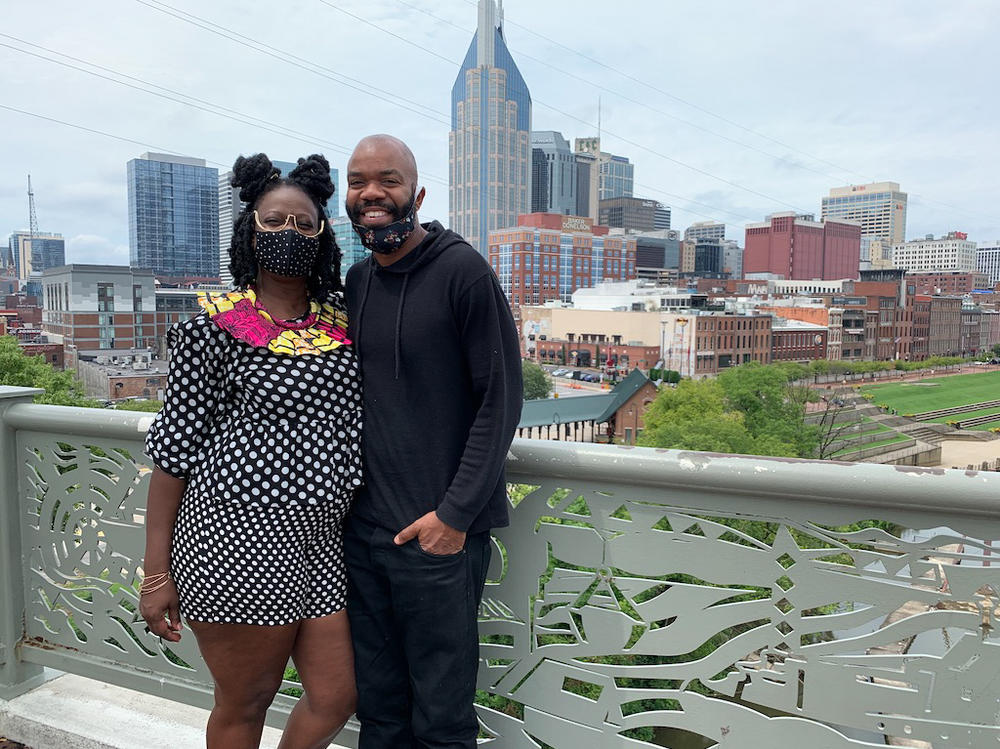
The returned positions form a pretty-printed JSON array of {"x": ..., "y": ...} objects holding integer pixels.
[{"x": 489, "y": 147}]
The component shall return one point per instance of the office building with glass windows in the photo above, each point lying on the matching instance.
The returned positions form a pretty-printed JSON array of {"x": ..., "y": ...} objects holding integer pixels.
[
  {"x": 351, "y": 249},
  {"x": 553, "y": 184},
  {"x": 548, "y": 256},
  {"x": 880, "y": 208},
  {"x": 489, "y": 146},
  {"x": 173, "y": 206},
  {"x": 705, "y": 230},
  {"x": 33, "y": 254},
  {"x": 615, "y": 176},
  {"x": 988, "y": 262}
]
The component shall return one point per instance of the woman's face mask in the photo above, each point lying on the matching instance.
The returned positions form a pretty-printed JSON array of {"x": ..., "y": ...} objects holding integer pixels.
[{"x": 286, "y": 252}]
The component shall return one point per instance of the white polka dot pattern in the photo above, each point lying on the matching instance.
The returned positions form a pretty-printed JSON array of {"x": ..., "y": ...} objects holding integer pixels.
[{"x": 270, "y": 447}]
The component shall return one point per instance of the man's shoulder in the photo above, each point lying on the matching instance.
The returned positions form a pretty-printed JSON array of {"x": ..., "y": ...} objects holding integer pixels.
[
  {"x": 355, "y": 272},
  {"x": 461, "y": 257}
]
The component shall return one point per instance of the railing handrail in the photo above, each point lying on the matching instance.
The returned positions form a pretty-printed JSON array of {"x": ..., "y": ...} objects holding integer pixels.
[
  {"x": 960, "y": 492},
  {"x": 974, "y": 493}
]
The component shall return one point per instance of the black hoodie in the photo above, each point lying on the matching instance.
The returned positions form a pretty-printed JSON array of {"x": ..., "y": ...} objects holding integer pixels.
[{"x": 441, "y": 375}]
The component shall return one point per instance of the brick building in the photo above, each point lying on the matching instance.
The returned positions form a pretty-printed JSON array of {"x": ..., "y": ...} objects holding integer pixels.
[
  {"x": 96, "y": 309},
  {"x": 944, "y": 338},
  {"x": 549, "y": 256},
  {"x": 795, "y": 341},
  {"x": 947, "y": 282},
  {"x": 798, "y": 247}
]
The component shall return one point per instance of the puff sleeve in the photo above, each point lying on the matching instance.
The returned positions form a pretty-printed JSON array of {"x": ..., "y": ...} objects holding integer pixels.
[{"x": 194, "y": 397}]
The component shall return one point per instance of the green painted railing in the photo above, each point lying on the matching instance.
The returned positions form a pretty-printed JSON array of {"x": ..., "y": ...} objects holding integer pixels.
[{"x": 639, "y": 597}]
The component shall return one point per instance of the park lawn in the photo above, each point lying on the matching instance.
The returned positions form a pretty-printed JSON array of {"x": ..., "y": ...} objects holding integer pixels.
[
  {"x": 946, "y": 392},
  {"x": 859, "y": 448},
  {"x": 966, "y": 415}
]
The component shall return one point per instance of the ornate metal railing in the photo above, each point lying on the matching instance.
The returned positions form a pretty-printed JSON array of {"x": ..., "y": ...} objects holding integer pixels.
[{"x": 639, "y": 597}]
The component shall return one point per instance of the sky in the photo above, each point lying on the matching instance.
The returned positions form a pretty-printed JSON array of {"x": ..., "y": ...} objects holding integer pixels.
[{"x": 729, "y": 109}]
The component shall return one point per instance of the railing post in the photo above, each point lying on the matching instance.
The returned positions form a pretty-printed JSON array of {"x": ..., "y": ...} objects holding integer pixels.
[{"x": 16, "y": 677}]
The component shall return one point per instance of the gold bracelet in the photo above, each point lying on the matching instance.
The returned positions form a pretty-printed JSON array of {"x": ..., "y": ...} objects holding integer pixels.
[{"x": 153, "y": 583}]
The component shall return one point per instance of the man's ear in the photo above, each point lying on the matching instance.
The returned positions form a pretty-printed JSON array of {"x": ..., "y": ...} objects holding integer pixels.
[{"x": 419, "y": 200}]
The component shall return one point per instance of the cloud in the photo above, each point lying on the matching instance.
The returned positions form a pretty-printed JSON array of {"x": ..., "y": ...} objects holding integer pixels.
[{"x": 95, "y": 250}]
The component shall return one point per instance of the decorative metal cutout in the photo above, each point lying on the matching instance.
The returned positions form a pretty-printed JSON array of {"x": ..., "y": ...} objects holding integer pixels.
[
  {"x": 619, "y": 615},
  {"x": 621, "y": 620}
]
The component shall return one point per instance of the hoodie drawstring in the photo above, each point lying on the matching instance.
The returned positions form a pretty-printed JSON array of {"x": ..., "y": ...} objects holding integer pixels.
[
  {"x": 361, "y": 312},
  {"x": 399, "y": 324},
  {"x": 398, "y": 346}
]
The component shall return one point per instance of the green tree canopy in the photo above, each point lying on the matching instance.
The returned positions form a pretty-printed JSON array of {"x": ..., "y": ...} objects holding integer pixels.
[
  {"x": 752, "y": 410},
  {"x": 148, "y": 406},
  {"x": 537, "y": 383},
  {"x": 20, "y": 370}
]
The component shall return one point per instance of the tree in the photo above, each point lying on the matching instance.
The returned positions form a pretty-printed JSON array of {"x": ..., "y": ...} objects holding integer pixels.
[
  {"x": 693, "y": 416},
  {"x": 751, "y": 409},
  {"x": 20, "y": 370},
  {"x": 537, "y": 383},
  {"x": 148, "y": 406},
  {"x": 773, "y": 409}
]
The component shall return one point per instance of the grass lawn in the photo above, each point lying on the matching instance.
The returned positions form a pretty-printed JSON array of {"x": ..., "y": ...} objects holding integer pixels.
[
  {"x": 859, "y": 448},
  {"x": 966, "y": 415},
  {"x": 939, "y": 392}
]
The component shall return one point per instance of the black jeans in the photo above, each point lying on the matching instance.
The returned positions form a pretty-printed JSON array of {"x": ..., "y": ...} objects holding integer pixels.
[{"x": 416, "y": 641}]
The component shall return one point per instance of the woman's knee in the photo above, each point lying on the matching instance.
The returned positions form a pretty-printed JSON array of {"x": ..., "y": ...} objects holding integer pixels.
[
  {"x": 246, "y": 702},
  {"x": 338, "y": 704}
]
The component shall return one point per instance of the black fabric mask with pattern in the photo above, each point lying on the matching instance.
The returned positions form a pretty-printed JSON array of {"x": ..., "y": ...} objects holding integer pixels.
[{"x": 286, "y": 253}]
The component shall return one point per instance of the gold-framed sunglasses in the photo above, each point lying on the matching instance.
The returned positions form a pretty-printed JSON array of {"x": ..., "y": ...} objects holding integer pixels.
[{"x": 305, "y": 232}]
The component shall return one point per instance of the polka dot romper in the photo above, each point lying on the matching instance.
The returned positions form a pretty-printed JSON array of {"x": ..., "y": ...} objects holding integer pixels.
[{"x": 269, "y": 444}]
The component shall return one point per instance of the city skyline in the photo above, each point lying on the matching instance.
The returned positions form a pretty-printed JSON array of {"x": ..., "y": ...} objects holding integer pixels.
[{"x": 932, "y": 132}]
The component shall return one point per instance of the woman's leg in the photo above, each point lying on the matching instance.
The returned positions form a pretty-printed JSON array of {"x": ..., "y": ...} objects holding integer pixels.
[
  {"x": 324, "y": 659},
  {"x": 247, "y": 662}
]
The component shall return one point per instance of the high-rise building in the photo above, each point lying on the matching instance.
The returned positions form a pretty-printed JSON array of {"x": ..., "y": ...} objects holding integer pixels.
[
  {"x": 709, "y": 258},
  {"x": 553, "y": 187},
  {"x": 489, "y": 146},
  {"x": 658, "y": 249},
  {"x": 988, "y": 262},
  {"x": 539, "y": 181},
  {"x": 953, "y": 251},
  {"x": 32, "y": 255},
  {"x": 732, "y": 258},
  {"x": 705, "y": 230},
  {"x": 616, "y": 174},
  {"x": 632, "y": 214},
  {"x": 661, "y": 217},
  {"x": 588, "y": 181},
  {"x": 880, "y": 208},
  {"x": 173, "y": 217},
  {"x": 351, "y": 249},
  {"x": 230, "y": 207},
  {"x": 796, "y": 247}
]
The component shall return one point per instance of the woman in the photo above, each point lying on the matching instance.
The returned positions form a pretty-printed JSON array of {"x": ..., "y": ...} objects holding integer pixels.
[{"x": 256, "y": 456}]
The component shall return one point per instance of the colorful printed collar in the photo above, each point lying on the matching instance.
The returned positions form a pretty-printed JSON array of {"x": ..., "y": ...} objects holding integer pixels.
[{"x": 323, "y": 329}]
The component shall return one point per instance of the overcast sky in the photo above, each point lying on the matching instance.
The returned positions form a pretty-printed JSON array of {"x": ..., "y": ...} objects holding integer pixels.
[{"x": 729, "y": 109}]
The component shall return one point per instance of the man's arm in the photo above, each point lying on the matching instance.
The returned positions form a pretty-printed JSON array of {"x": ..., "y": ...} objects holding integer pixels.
[{"x": 493, "y": 357}]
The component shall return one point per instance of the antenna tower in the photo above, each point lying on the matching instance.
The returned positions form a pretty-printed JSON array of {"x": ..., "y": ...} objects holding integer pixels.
[{"x": 32, "y": 216}]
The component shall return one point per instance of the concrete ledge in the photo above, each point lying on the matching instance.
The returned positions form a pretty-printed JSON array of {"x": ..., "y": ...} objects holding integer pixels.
[{"x": 71, "y": 712}]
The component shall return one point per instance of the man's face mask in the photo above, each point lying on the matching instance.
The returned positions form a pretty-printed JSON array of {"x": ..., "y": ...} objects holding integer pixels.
[{"x": 389, "y": 238}]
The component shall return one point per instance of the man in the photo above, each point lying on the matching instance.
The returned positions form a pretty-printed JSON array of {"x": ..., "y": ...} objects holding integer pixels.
[{"x": 441, "y": 376}]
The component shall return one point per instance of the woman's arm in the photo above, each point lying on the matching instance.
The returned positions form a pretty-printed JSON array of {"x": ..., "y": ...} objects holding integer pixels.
[{"x": 160, "y": 608}]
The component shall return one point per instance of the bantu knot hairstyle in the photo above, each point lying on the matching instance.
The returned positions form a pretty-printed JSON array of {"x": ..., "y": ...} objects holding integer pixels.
[{"x": 256, "y": 176}]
